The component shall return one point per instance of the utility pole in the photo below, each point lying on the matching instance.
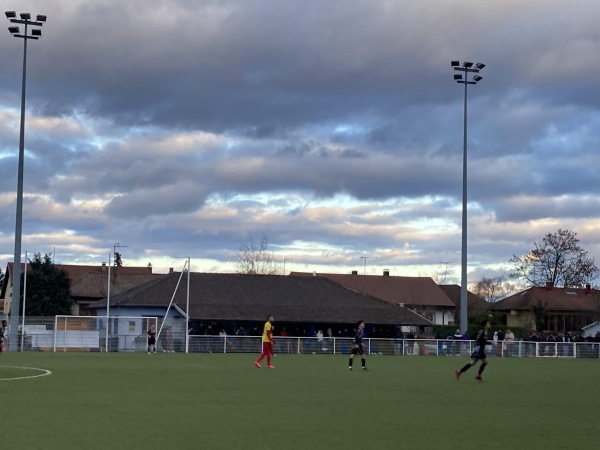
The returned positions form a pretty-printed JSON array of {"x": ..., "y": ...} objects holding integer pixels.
[{"x": 365, "y": 258}]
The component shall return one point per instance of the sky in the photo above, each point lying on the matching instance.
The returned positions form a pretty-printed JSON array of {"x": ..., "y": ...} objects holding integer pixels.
[{"x": 189, "y": 128}]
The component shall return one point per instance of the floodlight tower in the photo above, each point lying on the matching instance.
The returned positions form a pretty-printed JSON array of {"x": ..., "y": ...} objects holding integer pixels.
[
  {"x": 467, "y": 69},
  {"x": 36, "y": 33}
]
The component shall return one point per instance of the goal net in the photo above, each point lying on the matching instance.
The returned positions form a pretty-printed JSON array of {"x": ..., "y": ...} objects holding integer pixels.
[{"x": 102, "y": 333}]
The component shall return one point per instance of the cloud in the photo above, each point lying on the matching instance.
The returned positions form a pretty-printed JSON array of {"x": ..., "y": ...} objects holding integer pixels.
[{"x": 179, "y": 127}]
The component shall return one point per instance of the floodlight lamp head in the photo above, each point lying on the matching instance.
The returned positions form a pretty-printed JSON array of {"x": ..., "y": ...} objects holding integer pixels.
[
  {"x": 467, "y": 64},
  {"x": 10, "y": 14},
  {"x": 480, "y": 66},
  {"x": 13, "y": 30},
  {"x": 454, "y": 63},
  {"x": 25, "y": 16},
  {"x": 477, "y": 78},
  {"x": 36, "y": 32},
  {"x": 458, "y": 77},
  {"x": 40, "y": 18}
]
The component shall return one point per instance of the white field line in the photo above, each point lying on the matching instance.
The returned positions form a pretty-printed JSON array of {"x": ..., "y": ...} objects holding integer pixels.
[{"x": 44, "y": 373}]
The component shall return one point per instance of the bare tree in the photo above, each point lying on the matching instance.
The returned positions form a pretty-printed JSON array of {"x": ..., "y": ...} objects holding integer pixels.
[
  {"x": 256, "y": 258},
  {"x": 558, "y": 259},
  {"x": 493, "y": 289}
]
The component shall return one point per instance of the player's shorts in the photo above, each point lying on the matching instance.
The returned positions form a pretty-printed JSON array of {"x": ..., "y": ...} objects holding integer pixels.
[
  {"x": 267, "y": 347},
  {"x": 478, "y": 353},
  {"x": 357, "y": 349}
]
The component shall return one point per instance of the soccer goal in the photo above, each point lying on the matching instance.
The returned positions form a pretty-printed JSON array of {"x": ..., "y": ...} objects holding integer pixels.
[{"x": 102, "y": 333}]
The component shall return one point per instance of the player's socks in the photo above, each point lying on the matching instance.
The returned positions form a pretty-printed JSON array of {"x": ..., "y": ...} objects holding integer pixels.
[
  {"x": 465, "y": 368},
  {"x": 364, "y": 363},
  {"x": 350, "y": 363},
  {"x": 482, "y": 368}
]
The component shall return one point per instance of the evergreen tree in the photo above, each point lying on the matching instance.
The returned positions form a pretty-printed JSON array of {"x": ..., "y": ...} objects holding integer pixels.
[{"x": 48, "y": 288}]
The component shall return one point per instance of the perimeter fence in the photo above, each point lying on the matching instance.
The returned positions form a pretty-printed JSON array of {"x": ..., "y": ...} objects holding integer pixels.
[
  {"x": 397, "y": 347},
  {"x": 48, "y": 334}
]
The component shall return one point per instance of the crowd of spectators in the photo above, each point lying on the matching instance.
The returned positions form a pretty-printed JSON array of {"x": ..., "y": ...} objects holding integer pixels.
[
  {"x": 534, "y": 336},
  {"x": 290, "y": 329},
  {"x": 385, "y": 332}
]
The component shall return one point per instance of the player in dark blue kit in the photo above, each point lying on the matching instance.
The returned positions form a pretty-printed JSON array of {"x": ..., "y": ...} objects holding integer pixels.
[
  {"x": 478, "y": 352},
  {"x": 357, "y": 346}
]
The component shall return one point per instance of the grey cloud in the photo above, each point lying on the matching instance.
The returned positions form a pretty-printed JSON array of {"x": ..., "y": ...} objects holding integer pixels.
[{"x": 315, "y": 100}]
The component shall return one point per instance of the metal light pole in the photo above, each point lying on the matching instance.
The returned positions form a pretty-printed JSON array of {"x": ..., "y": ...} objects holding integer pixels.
[
  {"x": 16, "y": 293},
  {"x": 467, "y": 68}
]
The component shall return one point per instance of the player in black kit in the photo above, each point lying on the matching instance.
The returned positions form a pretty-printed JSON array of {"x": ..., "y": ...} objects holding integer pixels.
[
  {"x": 478, "y": 352},
  {"x": 152, "y": 340},
  {"x": 357, "y": 346}
]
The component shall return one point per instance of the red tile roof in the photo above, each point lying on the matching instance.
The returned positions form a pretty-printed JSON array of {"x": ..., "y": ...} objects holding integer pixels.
[
  {"x": 127, "y": 277},
  {"x": 556, "y": 299},
  {"x": 474, "y": 302},
  {"x": 410, "y": 291}
]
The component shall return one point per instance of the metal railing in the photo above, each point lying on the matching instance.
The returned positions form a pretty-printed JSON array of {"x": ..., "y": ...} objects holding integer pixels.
[
  {"x": 397, "y": 347},
  {"x": 40, "y": 335}
]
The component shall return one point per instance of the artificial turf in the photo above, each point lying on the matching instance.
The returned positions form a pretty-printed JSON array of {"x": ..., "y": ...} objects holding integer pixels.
[{"x": 215, "y": 401}]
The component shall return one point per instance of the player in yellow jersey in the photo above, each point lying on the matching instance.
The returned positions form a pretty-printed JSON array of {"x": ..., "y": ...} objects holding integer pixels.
[{"x": 267, "y": 343}]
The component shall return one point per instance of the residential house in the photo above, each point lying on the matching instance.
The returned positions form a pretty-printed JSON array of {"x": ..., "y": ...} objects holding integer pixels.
[
  {"x": 475, "y": 304},
  {"x": 88, "y": 283},
  {"x": 420, "y": 294},
  {"x": 550, "y": 308}
]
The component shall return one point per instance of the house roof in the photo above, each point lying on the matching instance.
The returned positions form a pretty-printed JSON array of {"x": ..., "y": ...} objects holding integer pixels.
[
  {"x": 216, "y": 296},
  {"x": 474, "y": 302},
  {"x": 410, "y": 291},
  {"x": 94, "y": 285},
  {"x": 80, "y": 276},
  {"x": 553, "y": 299}
]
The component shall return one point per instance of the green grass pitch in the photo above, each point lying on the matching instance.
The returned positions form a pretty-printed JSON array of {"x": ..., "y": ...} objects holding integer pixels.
[{"x": 178, "y": 401}]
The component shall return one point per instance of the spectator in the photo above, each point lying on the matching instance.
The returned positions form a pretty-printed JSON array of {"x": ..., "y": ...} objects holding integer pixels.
[
  {"x": 320, "y": 341},
  {"x": 509, "y": 337}
]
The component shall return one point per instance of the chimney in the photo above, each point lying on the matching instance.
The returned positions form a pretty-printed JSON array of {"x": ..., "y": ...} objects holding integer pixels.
[
  {"x": 386, "y": 273},
  {"x": 355, "y": 272},
  {"x": 549, "y": 285},
  {"x": 170, "y": 270},
  {"x": 588, "y": 289}
]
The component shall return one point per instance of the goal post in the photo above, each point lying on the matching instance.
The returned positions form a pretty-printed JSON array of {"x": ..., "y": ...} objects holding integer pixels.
[
  {"x": 173, "y": 334},
  {"x": 93, "y": 333}
]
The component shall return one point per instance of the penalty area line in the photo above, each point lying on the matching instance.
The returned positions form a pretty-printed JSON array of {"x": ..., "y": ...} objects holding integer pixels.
[{"x": 44, "y": 373}]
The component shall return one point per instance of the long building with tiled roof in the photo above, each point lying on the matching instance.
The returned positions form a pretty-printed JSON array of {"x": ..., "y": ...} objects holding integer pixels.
[{"x": 236, "y": 297}]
